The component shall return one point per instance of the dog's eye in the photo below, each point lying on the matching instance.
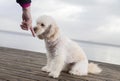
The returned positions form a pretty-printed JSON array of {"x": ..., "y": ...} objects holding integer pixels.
[{"x": 42, "y": 25}]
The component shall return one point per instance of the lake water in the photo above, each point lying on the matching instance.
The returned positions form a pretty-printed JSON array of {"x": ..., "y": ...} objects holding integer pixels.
[{"x": 97, "y": 52}]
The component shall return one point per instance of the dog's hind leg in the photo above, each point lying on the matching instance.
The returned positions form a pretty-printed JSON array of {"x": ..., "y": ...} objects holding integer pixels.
[{"x": 80, "y": 68}]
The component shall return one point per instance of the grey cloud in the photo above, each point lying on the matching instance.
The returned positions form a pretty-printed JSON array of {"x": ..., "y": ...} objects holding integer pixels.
[
  {"x": 96, "y": 13},
  {"x": 107, "y": 6},
  {"x": 81, "y": 2}
]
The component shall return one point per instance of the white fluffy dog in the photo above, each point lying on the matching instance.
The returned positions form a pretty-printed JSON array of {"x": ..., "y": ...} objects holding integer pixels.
[{"x": 62, "y": 53}]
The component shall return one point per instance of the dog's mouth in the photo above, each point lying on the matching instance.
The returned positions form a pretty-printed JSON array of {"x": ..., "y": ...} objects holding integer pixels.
[
  {"x": 40, "y": 35},
  {"x": 35, "y": 29},
  {"x": 38, "y": 31}
]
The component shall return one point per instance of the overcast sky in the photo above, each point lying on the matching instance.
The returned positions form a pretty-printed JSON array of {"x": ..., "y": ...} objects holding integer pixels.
[{"x": 93, "y": 20}]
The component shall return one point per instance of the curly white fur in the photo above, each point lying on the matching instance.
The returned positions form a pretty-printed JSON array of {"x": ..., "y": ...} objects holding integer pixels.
[{"x": 62, "y": 53}]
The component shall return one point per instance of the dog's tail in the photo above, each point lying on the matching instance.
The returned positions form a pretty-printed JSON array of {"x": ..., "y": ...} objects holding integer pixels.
[{"x": 94, "y": 68}]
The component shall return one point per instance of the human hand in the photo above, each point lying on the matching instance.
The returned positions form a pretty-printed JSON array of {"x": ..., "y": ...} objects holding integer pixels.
[{"x": 27, "y": 20}]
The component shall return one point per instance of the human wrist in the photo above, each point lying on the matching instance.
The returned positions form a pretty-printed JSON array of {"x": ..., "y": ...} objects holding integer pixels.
[
  {"x": 25, "y": 5},
  {"x": 26, "y": 14},
  {"x": 27, "y": 9}
]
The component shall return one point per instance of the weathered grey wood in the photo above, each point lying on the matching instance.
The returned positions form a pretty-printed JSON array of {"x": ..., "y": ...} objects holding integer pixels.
[
  {"x": 23, "y": 74},
  {"x": 7, "y": 77},
  {"x": 21, "y": 65},
  {"x": 22, "y": 52}
]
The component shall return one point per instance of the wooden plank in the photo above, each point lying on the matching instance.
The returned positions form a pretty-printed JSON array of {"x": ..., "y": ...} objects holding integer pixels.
[
  {"x": 37, "y": 71},
  {"x": 38, "y": 76},
  {"x": 7, "y": 77},
  {"x": 26, "y": 64},
  {"x": 22, "y": 52},
  {"x": 23, "y": 74},
  {"x": 37, "y": 61},
  {"x": 26, "y": 59}
]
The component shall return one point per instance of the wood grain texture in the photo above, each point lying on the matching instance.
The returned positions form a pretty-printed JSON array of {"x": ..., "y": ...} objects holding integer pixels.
[{"x": 21, "y": 65}]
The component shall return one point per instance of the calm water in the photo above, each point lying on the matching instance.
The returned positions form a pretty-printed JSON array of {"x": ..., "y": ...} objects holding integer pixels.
[{"x": 102, "y": 53}]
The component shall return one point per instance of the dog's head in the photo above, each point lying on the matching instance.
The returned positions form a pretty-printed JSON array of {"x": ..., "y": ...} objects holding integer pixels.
[{"x": 46, "y": 28}]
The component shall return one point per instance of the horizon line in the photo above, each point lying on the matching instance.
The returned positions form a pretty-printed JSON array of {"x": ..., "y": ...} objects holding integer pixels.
[{"x": 79, "y": 41}]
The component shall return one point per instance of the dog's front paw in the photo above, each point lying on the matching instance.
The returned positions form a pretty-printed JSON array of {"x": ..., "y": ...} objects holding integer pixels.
[
  {"x": 54, "y": 74},
  {"x": 46, "y": 69}
]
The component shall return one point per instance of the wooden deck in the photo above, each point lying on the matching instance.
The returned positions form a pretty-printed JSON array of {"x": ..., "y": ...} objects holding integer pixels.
[{"x": 20, "y": 65}]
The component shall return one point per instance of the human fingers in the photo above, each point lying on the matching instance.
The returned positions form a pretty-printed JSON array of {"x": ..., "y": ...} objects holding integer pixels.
[
  {"x": 33, "y": 33},
  {"x": 24, "y": 27}
]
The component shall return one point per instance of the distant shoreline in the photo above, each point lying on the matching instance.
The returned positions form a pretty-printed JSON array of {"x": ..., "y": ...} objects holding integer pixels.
[{"x": 79, "y": 41}]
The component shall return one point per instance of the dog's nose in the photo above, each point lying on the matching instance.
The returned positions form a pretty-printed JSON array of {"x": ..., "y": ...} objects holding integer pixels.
[{"x": 35, "y": 29}]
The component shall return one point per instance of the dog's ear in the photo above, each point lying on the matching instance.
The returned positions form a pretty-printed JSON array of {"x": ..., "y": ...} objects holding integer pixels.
[{"x": 53, "y": 32}]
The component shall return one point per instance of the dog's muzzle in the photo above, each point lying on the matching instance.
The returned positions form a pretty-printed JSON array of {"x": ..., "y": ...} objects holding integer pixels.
[{"x": 35, "y": 29}]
